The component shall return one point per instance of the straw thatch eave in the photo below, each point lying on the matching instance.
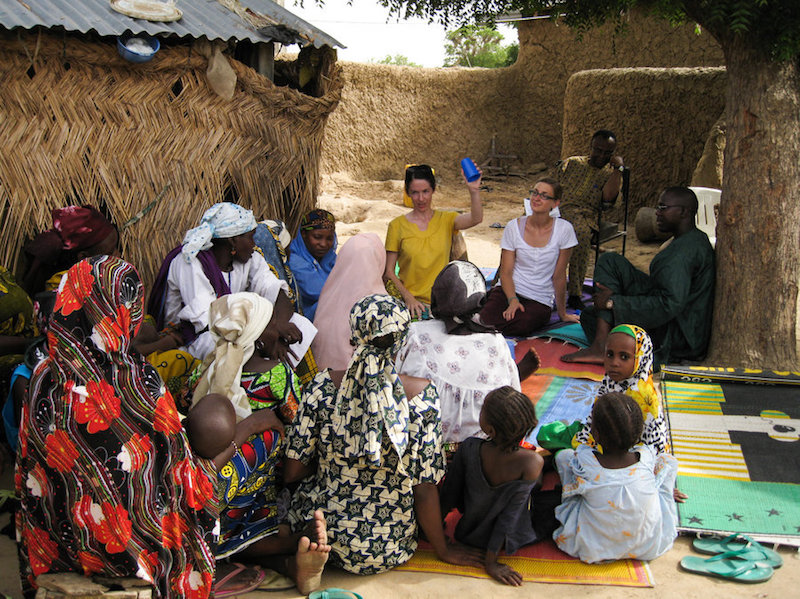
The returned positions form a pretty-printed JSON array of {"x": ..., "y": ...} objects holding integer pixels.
[{"x": 78, "y": 124}]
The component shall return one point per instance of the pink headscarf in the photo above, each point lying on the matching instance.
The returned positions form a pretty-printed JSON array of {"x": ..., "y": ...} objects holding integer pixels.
[{"x": 358, "y": 272}]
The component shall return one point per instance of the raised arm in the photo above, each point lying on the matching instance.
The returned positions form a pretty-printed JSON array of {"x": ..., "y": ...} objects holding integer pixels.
[
  {"x": 614, "y": 183},
  {"x": 475, "y": 214}
]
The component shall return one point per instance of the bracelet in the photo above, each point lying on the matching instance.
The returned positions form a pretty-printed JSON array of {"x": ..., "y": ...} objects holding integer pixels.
[
  {"x": 235, "y": 447},
  {"x": 513, "y": 297}
]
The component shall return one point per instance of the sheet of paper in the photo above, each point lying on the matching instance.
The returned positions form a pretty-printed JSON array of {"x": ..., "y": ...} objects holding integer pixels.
[{"x": 309, "y": 332}]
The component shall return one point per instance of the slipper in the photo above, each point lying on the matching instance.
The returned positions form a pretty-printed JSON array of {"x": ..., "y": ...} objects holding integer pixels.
[
  {"x": 725, "y": 567},
  {"x": 334, "y": 594},
  {"x": 228, "y": 587},
  {"x": 275, "y": 582},
  {"x": 756, "y": 552}
]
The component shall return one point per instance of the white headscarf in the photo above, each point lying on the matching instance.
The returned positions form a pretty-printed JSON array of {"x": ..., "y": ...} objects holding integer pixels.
[
  {"x": 221, "y": 221},
  {"x": 236, "y": 321}
]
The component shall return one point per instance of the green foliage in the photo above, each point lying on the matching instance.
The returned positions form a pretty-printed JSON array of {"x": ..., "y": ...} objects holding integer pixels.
[
  {"x": 397, "y": 60},
  {"x": 478, "y": 46},
  {"x": 769, "y": 26}
]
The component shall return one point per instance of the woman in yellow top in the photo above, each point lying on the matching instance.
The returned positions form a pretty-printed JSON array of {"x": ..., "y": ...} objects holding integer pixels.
[{"x": 420, "y": 240}]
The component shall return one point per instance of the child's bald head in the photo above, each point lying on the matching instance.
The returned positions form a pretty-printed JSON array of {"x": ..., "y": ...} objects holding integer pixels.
[{"x": 211, "y": 425}]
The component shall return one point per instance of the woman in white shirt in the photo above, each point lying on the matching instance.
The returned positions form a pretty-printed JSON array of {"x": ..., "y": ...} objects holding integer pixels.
[
  {"x": 533, "y": 267},
  {"x": 215, "y": 259}
]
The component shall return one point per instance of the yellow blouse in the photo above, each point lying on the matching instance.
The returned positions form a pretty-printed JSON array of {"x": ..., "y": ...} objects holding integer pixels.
[{"x": 421, "y": 254}]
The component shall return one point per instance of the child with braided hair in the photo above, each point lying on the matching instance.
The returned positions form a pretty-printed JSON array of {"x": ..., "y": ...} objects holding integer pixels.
[
  {"x": 490, "y": 482},
  {"x": 616, "y": 504}
]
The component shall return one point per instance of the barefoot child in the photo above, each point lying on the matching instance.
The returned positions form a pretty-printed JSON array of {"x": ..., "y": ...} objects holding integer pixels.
[
  {"x": 490, "y": 482},
  {"x": 616, "y": 504}
]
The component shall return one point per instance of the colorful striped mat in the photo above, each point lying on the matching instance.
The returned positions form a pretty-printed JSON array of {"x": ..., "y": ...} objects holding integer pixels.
[
  {"x": 738, "y": 449},
  {"x": 559, "y": 398},
  {"x": 541, "y": 562}
]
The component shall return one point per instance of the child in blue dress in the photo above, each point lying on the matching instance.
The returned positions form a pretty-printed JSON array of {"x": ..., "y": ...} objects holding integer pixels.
[
  {"x": 490, "y": 482},
  {"x": 616, "y": 504}
]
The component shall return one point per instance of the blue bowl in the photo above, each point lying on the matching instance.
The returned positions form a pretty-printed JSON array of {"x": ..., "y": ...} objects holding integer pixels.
[{"x": 134, "y": 56}]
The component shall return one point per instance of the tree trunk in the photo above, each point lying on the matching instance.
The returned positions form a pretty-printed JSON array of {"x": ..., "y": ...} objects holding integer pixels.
[{"x": 758, "y": 230}]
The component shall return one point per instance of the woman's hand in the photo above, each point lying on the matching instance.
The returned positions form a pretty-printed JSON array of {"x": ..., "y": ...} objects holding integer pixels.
[
  {"x": 258, "y": 422},
  {"x": 276, "y": 339},
  {"x": 416, "y": 307},
  {"x": 567, "y": 317},
  {"x": 513, "y": 307},
  {"x": 504, "y": 574}
]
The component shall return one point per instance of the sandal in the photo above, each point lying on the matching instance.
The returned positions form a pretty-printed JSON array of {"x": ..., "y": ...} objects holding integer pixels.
[
  {"x": 334, "y": 594},
  {"x": 755, "y": 552},
  {"x": 728, "y": 566},
  {"x": 227, "y": 586}
]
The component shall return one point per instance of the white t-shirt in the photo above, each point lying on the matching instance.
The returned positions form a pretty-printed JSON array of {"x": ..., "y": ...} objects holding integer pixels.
[
  {"x": 534, "y": 266},
  {"x": 189, "y": 293}
]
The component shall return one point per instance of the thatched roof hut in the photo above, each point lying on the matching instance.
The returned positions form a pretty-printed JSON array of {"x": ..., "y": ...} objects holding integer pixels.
[{"x": 81, "y": 125}]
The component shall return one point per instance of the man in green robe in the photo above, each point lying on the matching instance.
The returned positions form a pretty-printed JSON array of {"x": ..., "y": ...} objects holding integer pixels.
[{"x": 673, "y": 303}]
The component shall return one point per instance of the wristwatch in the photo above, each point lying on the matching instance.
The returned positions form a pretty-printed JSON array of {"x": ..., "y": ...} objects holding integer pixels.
[{"x": 610, "y": 304}]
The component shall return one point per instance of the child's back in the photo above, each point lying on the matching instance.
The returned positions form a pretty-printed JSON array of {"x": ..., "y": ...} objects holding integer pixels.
[
  {"x": 493, "y": 495},
  {"x": 617, "y": 504},
  {"x": 609, "y": 514}
]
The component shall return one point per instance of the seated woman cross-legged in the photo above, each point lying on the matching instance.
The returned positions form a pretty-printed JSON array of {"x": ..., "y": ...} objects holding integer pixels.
[
  {"x": 533, "y": 267},
  {"x": 366, "y": 449}
]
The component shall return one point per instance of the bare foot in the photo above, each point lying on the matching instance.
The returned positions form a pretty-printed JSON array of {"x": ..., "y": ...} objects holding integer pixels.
[
  {"x": 584, "y": 356},
  {"x": 309, "y": 561},
  {"x": 529, "y": 364}
]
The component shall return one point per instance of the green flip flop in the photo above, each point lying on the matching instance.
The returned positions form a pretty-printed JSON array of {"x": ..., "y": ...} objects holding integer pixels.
[
  {"x": 334, "y": 594},
  {"x": 727, "y": 566},
  {"x": 755, "y": 552}
]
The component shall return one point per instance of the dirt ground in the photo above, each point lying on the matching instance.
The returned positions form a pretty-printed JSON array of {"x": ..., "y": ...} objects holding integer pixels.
[{"x": 368, "y": 207}]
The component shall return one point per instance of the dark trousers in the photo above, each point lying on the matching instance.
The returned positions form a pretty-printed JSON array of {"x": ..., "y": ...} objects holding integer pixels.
[{"x": 534, "y": 317}]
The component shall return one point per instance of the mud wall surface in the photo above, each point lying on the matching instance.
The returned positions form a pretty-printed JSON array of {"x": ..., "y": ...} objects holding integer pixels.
[
  {"x": 389, "y": 115},
  {"x": 662, "y": 118}
]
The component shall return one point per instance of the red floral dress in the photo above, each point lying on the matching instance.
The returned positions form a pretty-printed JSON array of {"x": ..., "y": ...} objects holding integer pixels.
[{"x": 108, "y": 481}]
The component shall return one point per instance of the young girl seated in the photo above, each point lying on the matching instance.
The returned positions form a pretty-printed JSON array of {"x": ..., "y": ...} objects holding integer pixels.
[
  {"x": 312, "y": 255},
  {"x": 490, "y": 482},
  {"x": 616, "y": 504}
]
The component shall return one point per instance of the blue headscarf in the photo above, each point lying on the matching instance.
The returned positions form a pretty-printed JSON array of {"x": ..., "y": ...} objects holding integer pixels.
[
  {"x": 221, "y": 221},
  {"x": 310, "y": 273}
]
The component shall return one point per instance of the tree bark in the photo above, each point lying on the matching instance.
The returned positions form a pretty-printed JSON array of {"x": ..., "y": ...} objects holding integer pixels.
[{"x": 758, "y": 231}]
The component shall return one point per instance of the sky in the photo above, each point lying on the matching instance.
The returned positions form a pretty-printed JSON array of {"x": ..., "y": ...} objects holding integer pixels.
[{"x": 364, "y": 29}]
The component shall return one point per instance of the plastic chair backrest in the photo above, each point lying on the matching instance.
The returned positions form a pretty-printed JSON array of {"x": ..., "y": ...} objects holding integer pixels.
[{"x": 706, "y": 219}]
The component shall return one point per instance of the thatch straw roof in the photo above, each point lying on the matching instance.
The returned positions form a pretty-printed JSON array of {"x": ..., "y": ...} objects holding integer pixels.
[{"x": 78, "y": 124}]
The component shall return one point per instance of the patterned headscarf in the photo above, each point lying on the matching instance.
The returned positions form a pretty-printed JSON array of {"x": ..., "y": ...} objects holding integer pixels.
[
  {"x": 221, "y": 221},
  {"x": 318, "y": 219},
  {"x": 640, "y": 387},
  {"x": 236, "y": 321},
  {"x": 458, "y": 293},
  {"x": 371, "y": 393}
]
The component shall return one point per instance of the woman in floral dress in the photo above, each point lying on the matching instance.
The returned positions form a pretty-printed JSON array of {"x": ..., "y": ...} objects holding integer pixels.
[{"x": 108, "y": 481}]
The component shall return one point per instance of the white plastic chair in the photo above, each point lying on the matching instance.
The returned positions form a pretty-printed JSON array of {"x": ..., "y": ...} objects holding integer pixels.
[{"x": 706, "y": 219}]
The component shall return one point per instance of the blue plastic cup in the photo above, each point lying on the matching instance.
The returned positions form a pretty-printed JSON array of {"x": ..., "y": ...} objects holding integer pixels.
[{"x": 470, "y": 170}]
